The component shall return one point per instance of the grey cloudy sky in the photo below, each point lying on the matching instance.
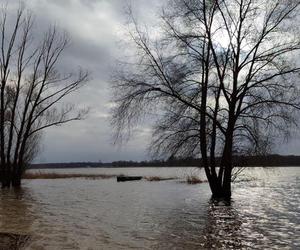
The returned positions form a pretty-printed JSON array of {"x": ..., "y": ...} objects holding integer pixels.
[{"x": 95, "y": 28}]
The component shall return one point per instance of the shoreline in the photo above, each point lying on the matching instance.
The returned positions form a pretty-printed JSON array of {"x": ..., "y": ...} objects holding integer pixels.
[{"x": 189, "y": 179}]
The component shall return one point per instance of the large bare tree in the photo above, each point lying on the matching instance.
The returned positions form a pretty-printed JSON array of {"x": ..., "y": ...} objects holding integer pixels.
[
  {"x": 223, "y": 74},
  {"x": 32, "y": 91}
]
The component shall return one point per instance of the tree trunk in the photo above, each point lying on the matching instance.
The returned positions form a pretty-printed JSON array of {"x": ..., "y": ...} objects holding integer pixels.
[
  {"x": 6, "y": 179},
  {"x": 216, "y": 188},
  {"x": 221, "y": 192},
  {"x": 16, "y": 181},
  {"x": 226, "y": 163},
  {"x": 17, "y": 176},
  {"x": 221, "y": 185},
  {"x": 227, "y": 178},
  {"x": 11, "y": 177}
]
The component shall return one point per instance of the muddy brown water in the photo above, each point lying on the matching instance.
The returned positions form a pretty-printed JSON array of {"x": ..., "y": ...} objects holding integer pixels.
[{"x": 104, "y": 214}]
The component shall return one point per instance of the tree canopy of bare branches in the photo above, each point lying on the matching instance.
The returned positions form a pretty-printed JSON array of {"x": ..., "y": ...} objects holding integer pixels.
[
  {"x": 224, "y": 75},
  {"x": 32, "y": 90}
]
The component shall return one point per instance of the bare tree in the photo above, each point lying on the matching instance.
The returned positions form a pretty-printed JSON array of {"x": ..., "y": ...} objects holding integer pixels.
[
  {"x": 224, "y": 77},
  {"x": 32, "y": 90}
]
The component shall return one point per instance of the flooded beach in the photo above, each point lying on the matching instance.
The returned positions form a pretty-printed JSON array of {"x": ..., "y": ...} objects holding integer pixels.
[{"x": 103, "y": 214}]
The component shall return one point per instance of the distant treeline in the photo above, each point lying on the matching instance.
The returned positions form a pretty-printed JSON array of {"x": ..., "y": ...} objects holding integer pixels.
[{"x": 267, "y": 160}]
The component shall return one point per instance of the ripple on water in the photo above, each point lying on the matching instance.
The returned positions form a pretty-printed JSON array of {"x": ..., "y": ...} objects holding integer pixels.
[{"x": 104, "y": 214}]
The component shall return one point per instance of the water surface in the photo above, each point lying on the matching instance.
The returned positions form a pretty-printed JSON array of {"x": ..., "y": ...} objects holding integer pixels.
[{"x": 104, "y": 214}]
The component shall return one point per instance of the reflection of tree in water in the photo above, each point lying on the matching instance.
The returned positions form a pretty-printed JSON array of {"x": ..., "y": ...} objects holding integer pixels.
[
  {"x": 16, "y": 218},
  {"x": 223, "y": 228}
]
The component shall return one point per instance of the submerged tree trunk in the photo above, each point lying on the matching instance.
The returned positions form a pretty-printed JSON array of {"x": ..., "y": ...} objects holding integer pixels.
[
  {"x": 226, "y": 173},
  {"x": 221, "y": 190},
  {"x": 11, "y": 177},
  {"x": 16, "y": 181},
  {"x": 6, "y": 178},
  {"x": 216, "y": 188},
  {"x": 221, "y": 185}
]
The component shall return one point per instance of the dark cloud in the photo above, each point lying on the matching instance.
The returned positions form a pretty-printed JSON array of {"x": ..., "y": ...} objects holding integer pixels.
[{"x": 95, "y": 28}]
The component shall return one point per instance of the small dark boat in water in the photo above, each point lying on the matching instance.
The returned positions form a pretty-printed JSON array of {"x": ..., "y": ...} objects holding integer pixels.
[{"x": 128, "y": 178}]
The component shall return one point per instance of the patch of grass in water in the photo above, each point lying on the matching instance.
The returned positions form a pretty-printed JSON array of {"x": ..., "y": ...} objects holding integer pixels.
[
  {"x": 158, "y": 178},
  {"x": 193, "y": 179},
  {"x": 40, "y": 175}
]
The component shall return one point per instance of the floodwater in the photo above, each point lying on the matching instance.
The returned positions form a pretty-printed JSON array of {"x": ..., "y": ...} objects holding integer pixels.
[{"x": 103, "y": 214}]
